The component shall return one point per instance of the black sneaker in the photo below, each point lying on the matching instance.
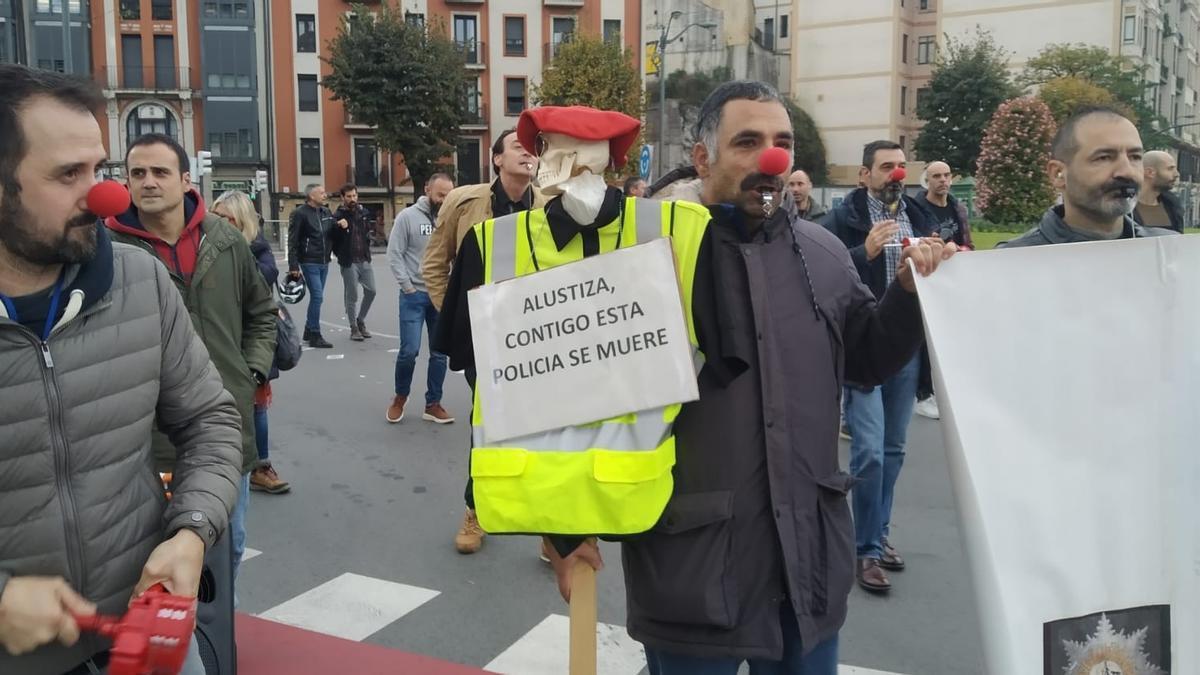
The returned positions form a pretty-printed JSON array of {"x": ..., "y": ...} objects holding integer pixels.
[{"x": 317, "y": 342}]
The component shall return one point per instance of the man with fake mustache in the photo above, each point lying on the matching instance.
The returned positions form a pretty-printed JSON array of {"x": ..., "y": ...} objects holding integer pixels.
[{"x": 1096, "y": 163}]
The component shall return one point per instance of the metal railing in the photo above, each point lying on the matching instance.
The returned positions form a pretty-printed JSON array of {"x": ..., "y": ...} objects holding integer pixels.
[
  {"x": 474, "y": 51},
  {"x": 367, "y": 176},
  {"x": 475, "y": 115},
  {"x": 148, "y": 78}
]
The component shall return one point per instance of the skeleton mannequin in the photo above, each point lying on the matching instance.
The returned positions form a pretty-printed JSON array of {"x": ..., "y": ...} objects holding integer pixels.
[{"x": 574, "y": 168}]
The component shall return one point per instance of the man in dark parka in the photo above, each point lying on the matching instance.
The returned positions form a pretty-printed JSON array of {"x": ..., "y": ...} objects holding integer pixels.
[{"x": 753, "y": 558}]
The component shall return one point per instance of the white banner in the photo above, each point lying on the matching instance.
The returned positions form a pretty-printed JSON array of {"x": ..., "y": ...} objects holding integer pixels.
[
  {"x": 1068, "y": 379},
  {"x": 578, "y": 343}
]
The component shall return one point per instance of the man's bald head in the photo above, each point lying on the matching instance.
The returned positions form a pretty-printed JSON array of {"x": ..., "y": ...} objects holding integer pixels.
[
  {"x": 800, "y": 186},
  {"x": 1161, "y": 171},
  {"x": 938, "y": 179}
]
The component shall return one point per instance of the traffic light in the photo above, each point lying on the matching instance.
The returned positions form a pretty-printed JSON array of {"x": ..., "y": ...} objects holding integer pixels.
[
  {"x": 260, "y": 181},
  {"x": 203, "y": 162}
]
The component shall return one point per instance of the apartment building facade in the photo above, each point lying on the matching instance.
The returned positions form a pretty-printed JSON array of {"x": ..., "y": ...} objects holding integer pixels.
[
  {"x": 506, "y": 44},
  {"x": 859, "y": 68}
]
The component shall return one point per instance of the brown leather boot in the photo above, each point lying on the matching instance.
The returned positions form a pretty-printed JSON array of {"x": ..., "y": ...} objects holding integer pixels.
[{"x": 470, "y": 536}]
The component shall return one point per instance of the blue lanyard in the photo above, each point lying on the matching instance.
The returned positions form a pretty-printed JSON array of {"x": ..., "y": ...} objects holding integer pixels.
[{"x": 54, "y": 298}]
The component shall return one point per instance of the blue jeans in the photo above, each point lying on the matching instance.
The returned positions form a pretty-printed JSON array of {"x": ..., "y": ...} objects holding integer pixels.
[
  {"x": 417, "y": 309},
  {"x": 878, "y": 421},
  {"x": 260, "y": 433},
  {"x": 822, "y": 660},
  {"x": 237, "y": 525},
  {"x": 314, "y": 278}
]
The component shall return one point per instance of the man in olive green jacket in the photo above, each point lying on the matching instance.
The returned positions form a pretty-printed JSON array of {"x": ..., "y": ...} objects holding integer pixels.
[{"x": 210, "y": 262}]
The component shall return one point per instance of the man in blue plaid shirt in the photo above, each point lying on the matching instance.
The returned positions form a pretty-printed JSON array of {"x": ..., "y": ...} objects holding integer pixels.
[{"x": 872, "y": 222}]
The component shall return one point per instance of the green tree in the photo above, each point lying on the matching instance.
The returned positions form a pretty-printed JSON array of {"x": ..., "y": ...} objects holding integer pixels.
[
  {"x": 596, "y": 73},
  {"x": 1107, "y": 71},
  {"x": 1012, "y": 185},
  {"x": 405, "y": 80},
  {"x": 1064, "y": 95},
  {"x": 691, "y": 88},
  {"x": 809, "y": 153},
  {"x": 970, "y": 80}
]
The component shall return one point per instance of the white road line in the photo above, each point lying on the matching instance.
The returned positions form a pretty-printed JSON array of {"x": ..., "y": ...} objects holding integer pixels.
[
  {"x": 351, "y": 606},
  {"x": 344, "y": 327},
  {"x": 544, "y": 651},
  {"x": 335, "y": 357},
  {"x": 250, "y": 553}
]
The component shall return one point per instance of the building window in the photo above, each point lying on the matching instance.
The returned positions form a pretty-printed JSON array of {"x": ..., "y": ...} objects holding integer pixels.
[
  {"x": 1129, "y": 29},
  {"x": 904, "y": 143},
  {"x": 131, "y": 10},
  {"x": 474, "y": 102},
  {"x": 56, "y": 6},
  {"x": 151, "y": 118},
  {"x": 904, "y": 48},
  {"x": 161, "y": 10},
  {"x": 514, "y": 36},
  {"x": 467, "y": 159},
  {"x": 306, "y": 33},
  {"x": 768, "y": 34},
  {"x": 783, "y": 26},
  {"x": 924, "y": 5},
  {"x": 612, "y": 30},
  {"x": 231, "y": 144},
  {"x": 366, "y": 162},
  {"x": 310, "y": 156},
  {"x": 466, "y": 36},
  {"x": 561, "y": 30},
  {"x": 306, "y": 86},
  {"x": 903, "y": 100},
  {"x": 922, "y": 93},
  {"x": 164, "y": 62},
  {"x": 925, "y": 48},
  {"x": 131, "y": 61},
  {"x": 514, "y": 95},
  {"x": 414, "y": 19}
]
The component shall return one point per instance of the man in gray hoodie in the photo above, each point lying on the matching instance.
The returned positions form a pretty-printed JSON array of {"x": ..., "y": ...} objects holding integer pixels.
[{"x": 406, "y": 248}]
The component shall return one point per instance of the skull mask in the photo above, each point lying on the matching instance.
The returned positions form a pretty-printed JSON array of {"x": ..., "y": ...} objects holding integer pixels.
[{"x": 574, "y": 168}]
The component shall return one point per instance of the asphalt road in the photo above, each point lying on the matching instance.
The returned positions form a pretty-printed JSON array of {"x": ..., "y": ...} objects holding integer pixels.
[{"x": 383, "y": 502}]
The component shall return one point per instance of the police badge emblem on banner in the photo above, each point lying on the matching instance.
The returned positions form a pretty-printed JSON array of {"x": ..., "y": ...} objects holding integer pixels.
[
  {"x": 582, "y": 342},
  {"x": 1068, "y": 380}
]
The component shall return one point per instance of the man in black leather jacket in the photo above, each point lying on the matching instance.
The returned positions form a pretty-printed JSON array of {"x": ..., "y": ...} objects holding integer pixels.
[{"x": 310, "y": 243}]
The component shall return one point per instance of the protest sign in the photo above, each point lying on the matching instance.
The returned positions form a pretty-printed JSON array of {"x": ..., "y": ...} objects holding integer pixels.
[
  {"x": 1067, "y": 379},
  {"x": 601, "y": 337}
]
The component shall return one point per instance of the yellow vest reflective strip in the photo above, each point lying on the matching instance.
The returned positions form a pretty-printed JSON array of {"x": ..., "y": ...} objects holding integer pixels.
[{"x": 609, "y": 477}]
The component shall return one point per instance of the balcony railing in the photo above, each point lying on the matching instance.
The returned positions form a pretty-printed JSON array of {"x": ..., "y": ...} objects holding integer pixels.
[
  {"x": 148, "y": 78},
  {"x": 368, "y": 176},
  {"x": 475, "y": 115},
  {"x": 474, "y": 52},
  {"x": 550, "y": 50}
]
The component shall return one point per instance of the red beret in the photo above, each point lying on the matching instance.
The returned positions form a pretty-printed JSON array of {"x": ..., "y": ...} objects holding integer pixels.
[{"x": 577, "y": 121}]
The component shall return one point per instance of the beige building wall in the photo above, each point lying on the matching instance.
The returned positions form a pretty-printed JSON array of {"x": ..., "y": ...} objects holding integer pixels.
[{"x": 850, "y": 72}]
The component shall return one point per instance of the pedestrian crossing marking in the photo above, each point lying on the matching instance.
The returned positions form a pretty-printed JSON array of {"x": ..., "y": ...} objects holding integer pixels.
[
  {"x": 350, "y": 606},
  {"x": 544, "y": 651}
]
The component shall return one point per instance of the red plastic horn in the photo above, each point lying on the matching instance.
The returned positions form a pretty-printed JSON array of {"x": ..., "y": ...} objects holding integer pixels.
[{"x": 152, "y": 638}]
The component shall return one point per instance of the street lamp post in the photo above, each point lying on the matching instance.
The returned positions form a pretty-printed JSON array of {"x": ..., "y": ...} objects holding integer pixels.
[{"x": 663, "y": 40}]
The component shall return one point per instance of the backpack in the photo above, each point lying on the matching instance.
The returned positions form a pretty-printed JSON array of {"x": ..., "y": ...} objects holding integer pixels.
[{"x": 287, "y": 340}]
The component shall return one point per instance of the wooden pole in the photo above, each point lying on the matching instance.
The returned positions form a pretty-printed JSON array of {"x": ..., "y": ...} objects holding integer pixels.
[{"x": 583, "y": 619}]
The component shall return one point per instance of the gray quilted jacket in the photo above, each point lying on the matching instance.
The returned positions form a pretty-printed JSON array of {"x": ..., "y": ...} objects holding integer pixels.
[{"x": 79, "y": 496}]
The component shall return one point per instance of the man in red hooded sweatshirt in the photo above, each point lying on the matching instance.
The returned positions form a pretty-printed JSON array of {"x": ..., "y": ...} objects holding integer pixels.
[{"x": 210, "y": 262}]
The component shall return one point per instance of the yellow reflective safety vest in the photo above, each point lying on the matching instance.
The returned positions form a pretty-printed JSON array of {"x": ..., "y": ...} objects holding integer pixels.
[{"x": 608, "y": 477}]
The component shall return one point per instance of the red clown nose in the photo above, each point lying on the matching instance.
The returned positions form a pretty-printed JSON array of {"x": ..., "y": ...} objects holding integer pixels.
[
  {"x": 108, "y": 198},
  {"x": 774, "y": 161},
  {"x": 897, "y": 175}
]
